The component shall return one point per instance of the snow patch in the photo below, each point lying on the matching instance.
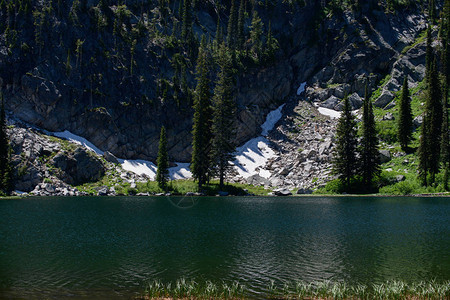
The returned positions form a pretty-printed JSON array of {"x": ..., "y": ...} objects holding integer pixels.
[
  {"x": 253, "y": 155},
  {"x": 139, "y": 166},
  {"x": 334, "y": 114},
  {"x": 301, "y": 88},
  {"x": 250, "y": 158},
  {"x": 77, "y": 140},
  {"x": 272, "y": 118},
  {"x": 181, "y": 171}
]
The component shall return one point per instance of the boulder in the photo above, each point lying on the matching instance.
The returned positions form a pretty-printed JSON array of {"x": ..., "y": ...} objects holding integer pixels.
[
  {"x": 103, "y": 191},
  {"x": 223, "y": 193},
  {"x": 303, "y": 191},
  {"x": 282, "y": 192},
  {"x": 385, "y": 156},
  {"x": 417, "y": 122},
  {"x": 400, "y": 178},
  {"x": 385, "y": 98},
  {"x": 257, "y": 180},
  {"x": 331, "y": 102},
  {"x": 388, "y": 117},
  {"x": 355, "y": 101},
  {"x": 88, "y": 167}
]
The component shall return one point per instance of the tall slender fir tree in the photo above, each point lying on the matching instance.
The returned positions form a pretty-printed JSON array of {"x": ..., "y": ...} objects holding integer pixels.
[
  {"x": 232, "y": 27},
  {"x": 240, "y": 26},
  {"x": 224, "y": 109},
  {"x": 445, "y": 139},
  {"x": 370, "y": 162},
  {"x": 186, "y": 25},
  {"x": 5, "y": 166},
  {"x": 162, "y": 161},
  {"x": 201, "y": 131},
  {"x": 345, "y": 164},
  {"x": 404, "y": 117},
  {"x": 256, "y": 34},
  {"x": 430, "y": 148}
]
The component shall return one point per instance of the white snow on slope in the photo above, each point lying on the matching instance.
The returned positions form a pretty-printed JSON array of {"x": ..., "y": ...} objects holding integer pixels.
[
  {"x": 139, "y": 167},
  {"x": 254, "y": 154},
  {"x": 301, "y": 88},
  {"x": 77, "y": 140},
  {"x": 334, "y": 114},
  {"x": 181, "y": 171},
  {"x": 272, "y": 118},
  {"x": 249, "y": 157}
]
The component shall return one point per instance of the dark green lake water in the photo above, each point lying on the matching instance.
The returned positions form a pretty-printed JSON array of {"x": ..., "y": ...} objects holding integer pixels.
[{"x": 63, "y": 247}]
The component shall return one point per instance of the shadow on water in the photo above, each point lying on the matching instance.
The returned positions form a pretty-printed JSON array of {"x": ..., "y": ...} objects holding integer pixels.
[{"x": 71, "y": 245}]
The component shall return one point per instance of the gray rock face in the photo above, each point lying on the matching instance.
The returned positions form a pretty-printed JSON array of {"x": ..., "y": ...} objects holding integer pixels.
[
  {"x": 108, "y": 156},
  {"x": 385, "y": 98},
  {"x": 365, "y": 45},
  {"x": 385, "y": 156},
  {"x": 304, "y": 158},
  {"x": 79, "y": 167}
]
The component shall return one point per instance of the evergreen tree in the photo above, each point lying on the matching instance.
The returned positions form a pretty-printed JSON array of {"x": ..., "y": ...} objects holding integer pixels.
[
  {"x": 219, "y": 35},
  {"x": 186, "y": 25},
  {"x": 201, "y": 131},
  {"x": 240, "y": 26},
  {"x": 272, "y": 44},
  {"x": 344, "y": 161},
  {"x": 256, "y": 33},
  {"x": 162, "y": 161},
  {"x": 232, "y": 27},
  {"x": 370, "y": 161},
  {"x": 405, "y": 117},
  {"x": 224, "y": 108},
  {"x": 431, "y": 10},
  {"x": 445, "y": 55},
  {"x": 5, "y": 166},
  {"x": 445, "y": 143},
  {"x": 429, "y": 149},
  {"x": 428, "y": 54}
]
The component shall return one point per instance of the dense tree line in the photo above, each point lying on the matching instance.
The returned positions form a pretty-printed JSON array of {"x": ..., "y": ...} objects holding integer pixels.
[{"x": 434, "y": 138}]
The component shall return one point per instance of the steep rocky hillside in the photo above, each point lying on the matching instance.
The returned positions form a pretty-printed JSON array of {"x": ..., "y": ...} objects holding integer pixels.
[
  {"x": 99, "y": 69},
  {"x": 113, "y": 72}
]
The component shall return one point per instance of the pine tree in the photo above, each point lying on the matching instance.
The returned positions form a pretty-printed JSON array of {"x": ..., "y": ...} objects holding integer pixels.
[
  {"x": 186, "y": 26},
  {"x": 201, "y": 131},
  {"x": 445, "y": 57},
  {"x": 405, "y": 117},
  {"x": 429, "y": 149},
  {"x": 256, "y": 33},
  {"x": 445, "y": 143},
  {"x": 219, "y": 35},
  {"x": 431, "y": 10},
  {"x": 5, "y": 166},
  {"x": 224, "y": 108},
  {"x": 370, "y": 162},
  {"x": 232, "y": 27},
  {"x": 162, "y": 161},
  {"x": 240, "y": 26},
  {"x": 272, "y": 44},
  {"x": 344, "y": 161},
  {"x": 428, "y": 54}
]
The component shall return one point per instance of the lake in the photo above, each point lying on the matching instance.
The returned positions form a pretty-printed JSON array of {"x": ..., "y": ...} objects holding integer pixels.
[{"x": 109, "y": 247}]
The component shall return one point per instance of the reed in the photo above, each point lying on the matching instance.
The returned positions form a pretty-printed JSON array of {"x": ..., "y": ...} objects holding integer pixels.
[{"x": 390, "y": 290}]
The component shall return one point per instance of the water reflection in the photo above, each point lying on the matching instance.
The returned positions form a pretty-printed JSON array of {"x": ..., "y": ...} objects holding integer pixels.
[{"x": 115, "y": 244}]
